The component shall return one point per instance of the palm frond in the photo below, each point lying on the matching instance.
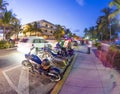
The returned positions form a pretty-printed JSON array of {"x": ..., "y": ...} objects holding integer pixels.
[{"x": 112, "y": 15}]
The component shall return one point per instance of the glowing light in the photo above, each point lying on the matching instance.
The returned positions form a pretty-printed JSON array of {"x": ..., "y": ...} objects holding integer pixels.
[{"x": 87, "y": 37}]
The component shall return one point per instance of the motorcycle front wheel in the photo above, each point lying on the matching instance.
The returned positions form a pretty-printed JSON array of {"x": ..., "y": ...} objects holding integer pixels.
[
  {"x": 55, "y": 77},
  {"x": 28, "y": 64}
]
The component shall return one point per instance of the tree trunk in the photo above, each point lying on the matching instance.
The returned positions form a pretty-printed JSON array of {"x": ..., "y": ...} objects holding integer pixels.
[
  {"x": 30, "y": 33},
  {"x": 35, "y": 33},
  {"x": 4, "y": 33},
  {"x": 17, "y": 35}
]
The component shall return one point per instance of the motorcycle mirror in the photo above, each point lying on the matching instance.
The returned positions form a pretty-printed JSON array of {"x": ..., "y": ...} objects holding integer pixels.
[{"x": 32, "y": 48}]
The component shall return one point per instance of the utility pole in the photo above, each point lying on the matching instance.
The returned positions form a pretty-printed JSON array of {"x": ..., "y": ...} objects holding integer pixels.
[
  {"x": 101, "y": 36},
  {"x": 110, "y": 27},
  {"x": 110, "y": 32}
]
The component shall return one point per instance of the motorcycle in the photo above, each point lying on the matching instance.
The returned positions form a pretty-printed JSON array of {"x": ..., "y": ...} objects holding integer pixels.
[
  {"x": 64, "y": 52},
  {"x": 58, "y": 60},
  {"x": 35, "y": 64}
]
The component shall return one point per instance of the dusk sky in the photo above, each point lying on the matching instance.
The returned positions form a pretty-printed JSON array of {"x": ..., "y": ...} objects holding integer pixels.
[{"x": 73, "y": 14}]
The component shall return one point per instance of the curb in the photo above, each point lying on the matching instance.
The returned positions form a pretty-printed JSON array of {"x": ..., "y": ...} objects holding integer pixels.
[
  {"x": 11, "y": 48},
  {"x": 8, "y": 49},
  {"x": 59, "y": 85}
]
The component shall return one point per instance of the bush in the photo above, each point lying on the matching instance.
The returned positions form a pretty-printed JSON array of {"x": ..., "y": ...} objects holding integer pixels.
[
  {"x": 98, "y": 45},
  {"x": 113, "y": 56},
  {"x": 6, "y": 44},
  {"x": 116, "y": 63},
  {"x": 2, "y": 44}
]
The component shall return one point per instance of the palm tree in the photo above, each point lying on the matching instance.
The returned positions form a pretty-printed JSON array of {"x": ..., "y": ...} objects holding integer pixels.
[
  {"x": 90, "y": 33},
  {"x": 101, "y": 31},
  {"x": 29, "y": 28},
  {"x": 3, "y": 5},
  {"x": 68, "y": 32},
  {"x": 115, "y": 3},
  {"x": 85, "y": 32},
  {"x": 6, "y": 21},
  {"x": 59, "y": 32},
  {"x": 35, "y": 28},
  {"x": 103, "y": 24},
  {"x": 75, "y": 36},
  {"x": 16, "y": 27}
]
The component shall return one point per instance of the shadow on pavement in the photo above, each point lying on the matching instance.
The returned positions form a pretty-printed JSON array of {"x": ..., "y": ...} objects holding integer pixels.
[{"x": 82, "y": 52}]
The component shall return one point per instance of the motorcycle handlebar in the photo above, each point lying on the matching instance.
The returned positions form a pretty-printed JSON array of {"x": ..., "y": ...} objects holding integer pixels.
[{"x": 32, "y": 48}]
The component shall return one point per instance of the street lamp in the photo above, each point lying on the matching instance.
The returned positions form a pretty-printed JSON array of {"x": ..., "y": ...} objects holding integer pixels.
[
  {"x": 101, "y": 36},
  {"x": 110, "y": 32}
]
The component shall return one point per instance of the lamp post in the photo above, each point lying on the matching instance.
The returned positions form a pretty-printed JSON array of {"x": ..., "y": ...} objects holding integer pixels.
[
  {"x": 110, "y": 26},
  {"x": 110, "y": 32},
  {"x": 101, "y": 36}
]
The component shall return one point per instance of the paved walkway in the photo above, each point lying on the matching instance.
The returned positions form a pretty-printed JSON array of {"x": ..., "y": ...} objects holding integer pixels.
[{"x": 89, "y": 76}]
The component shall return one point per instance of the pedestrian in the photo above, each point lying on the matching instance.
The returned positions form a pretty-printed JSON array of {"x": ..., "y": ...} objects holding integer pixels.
[{"x": 89, "y": 46}]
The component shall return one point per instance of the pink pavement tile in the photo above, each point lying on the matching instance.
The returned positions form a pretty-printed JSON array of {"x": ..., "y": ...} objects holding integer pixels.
[
  {"x": 84, "y": 74},
  {"x": 85, "y": 66},
  {"x": 100, "y": 67},
  {"x": 92, "y": 91},
  {"x": 82, "y": 79},
  {"x": 84, "y": 83},
  {"x": 107, "y": 77},
  {"x": 112, "y": 90},
  {"x": 68, "y": 89}
]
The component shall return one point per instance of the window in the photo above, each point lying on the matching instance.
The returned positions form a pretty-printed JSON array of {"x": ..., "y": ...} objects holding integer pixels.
[
  {"x": 36, "y": 41},
  {"x": 46, "y": 41},
  {"x": 42, "y": 40}
]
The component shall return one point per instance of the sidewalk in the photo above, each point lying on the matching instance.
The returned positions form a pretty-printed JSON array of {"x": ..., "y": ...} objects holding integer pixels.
[{"x": 89, "y": 76}]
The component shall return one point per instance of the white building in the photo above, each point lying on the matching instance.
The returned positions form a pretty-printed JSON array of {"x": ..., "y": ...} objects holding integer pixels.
[{"x": 46, "y": 27}]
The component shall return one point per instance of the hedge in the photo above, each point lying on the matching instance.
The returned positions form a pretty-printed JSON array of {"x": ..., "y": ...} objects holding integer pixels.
[
  {"x": 115, "y": 56},
  {"x": 98, "y": 45},
  {"x": 110, "y": 58},
  {"x": 6, "y": 44}
]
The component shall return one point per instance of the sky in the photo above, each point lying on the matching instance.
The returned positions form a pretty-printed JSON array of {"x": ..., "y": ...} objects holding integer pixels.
[{"x": 75, "y": 15}]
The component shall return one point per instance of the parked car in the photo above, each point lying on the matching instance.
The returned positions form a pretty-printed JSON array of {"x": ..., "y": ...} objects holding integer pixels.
[
  {"x": 75, "y": 43},
  {"x": 25, "y": 44}
]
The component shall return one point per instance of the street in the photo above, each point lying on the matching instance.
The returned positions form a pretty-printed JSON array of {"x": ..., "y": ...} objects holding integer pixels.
[{"x": 10, "y": 58}]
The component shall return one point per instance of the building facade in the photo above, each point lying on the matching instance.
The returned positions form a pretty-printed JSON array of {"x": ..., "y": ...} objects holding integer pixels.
[{"x": 47, "y": 30}]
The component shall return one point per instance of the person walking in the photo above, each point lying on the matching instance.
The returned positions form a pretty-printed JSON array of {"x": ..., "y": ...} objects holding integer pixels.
[{"x": 89, "y": 46}]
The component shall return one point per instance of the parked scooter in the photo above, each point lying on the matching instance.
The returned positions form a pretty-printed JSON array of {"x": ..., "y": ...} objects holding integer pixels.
[
  {"x": 34, "y": 63},
  {"x": 64, "y": 52},
  {"x": 53, "y": 57}
]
